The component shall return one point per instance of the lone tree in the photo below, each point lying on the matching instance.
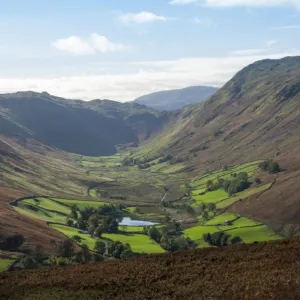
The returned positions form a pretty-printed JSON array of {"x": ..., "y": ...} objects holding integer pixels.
[
  {"x": 154, "y": 234},
  {"x": 205, "y": 215},
  {"x": 210, "y": 185},
  {"x": 74, "y": 213},
  {"x": 100, "y": 247}
]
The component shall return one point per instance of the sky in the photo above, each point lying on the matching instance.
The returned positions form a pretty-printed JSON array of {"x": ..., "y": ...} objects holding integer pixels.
[{"x": 122, "y": 49}]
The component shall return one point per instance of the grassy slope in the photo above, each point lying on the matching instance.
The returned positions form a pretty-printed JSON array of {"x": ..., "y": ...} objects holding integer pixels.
[
  {"x": 70, "y": 232},
  {"x": 81, "y": 204},
  {"x": 41, "y": 215},
  {"x": 252, "y": 234},
  {"x": 4, "y": 264},
  {"x": 243, "y": 195},
  {"x": 221, "y": 198},
  {"x": 139, "y": 243},
  {"x": 211, "y": 197}
]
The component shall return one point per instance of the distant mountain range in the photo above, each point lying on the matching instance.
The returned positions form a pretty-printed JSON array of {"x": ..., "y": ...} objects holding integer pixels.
[
  {"x": 88, "y": 128},
  {"x": 176, "y": 99}
]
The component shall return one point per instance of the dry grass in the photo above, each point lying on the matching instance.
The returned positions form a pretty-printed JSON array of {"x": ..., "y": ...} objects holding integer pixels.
[{"x": 258, "y": 271}]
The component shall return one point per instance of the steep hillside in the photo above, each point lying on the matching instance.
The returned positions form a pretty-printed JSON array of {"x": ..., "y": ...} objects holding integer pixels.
[
  {"x": 28, "y": 168},
  {"x": 88, "y": 128},
  {"x": 175, "y": 99},
  {"x": 256, "y": 115}
]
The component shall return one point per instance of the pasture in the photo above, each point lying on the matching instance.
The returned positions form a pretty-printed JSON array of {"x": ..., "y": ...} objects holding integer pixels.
[
  {"x": 4, "y": 264},
  {"x": 252, "y": 234},
  {"x": 71, "y": 231},
  {"x": 139, "y": 243}
]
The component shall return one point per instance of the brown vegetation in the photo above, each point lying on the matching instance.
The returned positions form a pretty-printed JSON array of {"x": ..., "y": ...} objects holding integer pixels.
[{"x": 257, "y": 271}]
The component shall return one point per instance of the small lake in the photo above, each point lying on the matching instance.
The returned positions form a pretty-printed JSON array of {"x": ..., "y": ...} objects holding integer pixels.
[{"x": 130, "y": 222}]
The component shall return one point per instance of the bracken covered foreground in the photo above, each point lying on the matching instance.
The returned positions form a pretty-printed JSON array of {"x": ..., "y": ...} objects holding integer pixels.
[{"x": 258, "y": 271}]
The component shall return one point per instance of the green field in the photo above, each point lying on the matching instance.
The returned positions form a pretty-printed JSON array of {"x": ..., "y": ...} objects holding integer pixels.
[
  {"x": 254, "y": 234},
  {"x": 196, "y": 233},
  {"x": 41, "y": 214},
  {"x": 54, "y": 210},
  {"x": 48, "y": 204},
  {"x": 243, "y": 221},
  {"x": 70, "y": 232},
  {"x": 4, "y": 264},
  {"x": 81, "y": 204},
  {"x": 132, "y": 229},
  {"x": 242, "y": 195},
  {"x": 220, "y": 219},
  {"x": 139, "y": 243},
  {"x": 136, "y": 187},
  {"x": 250, "y": 168},
  {"x": 250, "y": 234},
  {"x": 211, "y": 197}
]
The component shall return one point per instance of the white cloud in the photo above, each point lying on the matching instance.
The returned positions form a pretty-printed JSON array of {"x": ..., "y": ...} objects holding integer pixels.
[
  {"x": 182, "y": 2},
  {"x": 252, "y": 3},
  {"x": 205, "y": 22},
  {"x": 250, "y": 51},
  {"x": 94, "y": 43},
  {"x": 102, "y": 44},
  {"x": 142, "y": 17},
  {"x": 138, "y": 78},
  {"x": 74, "y": 45}
]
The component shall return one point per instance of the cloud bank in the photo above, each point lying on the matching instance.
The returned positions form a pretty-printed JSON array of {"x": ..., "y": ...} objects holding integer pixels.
[
  {"x": 139, "y": 78},
  {"x": 86, "y": 46}
]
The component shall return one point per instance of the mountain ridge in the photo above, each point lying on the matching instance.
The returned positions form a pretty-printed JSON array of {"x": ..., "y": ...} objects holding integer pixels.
[
  {"x": 176, "y": 98},
  {"x": 75, "y": 125}
]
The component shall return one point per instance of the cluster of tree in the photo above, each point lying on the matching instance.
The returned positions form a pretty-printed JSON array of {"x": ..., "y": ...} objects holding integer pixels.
[
  {"x": 66, "y": 254},
  {"x": 270, "y": 166},
  {"x": 205, "y": 209},
  {"x": 165, "y": 158},
  {"x": 169, "y": 237},
  {"x": 120, "y": 250},
  {"x": 214, "y": 185},
  {"x": 147, "y": 162},
  {"x": 173, "y": 244},
  {"x": 180, "y": 207},
  {"x": 96, "y": 221},
  {"x": 131, "y": 161},
  {"x": 221, "y": 238},
  {"x": 11, "y": 243},
  {"x": 239, "y": 183}
]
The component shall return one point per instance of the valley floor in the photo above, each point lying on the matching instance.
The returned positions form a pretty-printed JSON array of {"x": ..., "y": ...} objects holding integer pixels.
[{"x": 257, "y": 271}]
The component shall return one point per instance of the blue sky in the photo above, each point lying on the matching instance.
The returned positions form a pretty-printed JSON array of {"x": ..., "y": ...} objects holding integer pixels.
[{"x": 121, "y": 49}]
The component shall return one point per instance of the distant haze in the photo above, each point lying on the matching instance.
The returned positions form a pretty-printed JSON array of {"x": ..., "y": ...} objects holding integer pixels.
[{"x": 175, "y": 99}]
